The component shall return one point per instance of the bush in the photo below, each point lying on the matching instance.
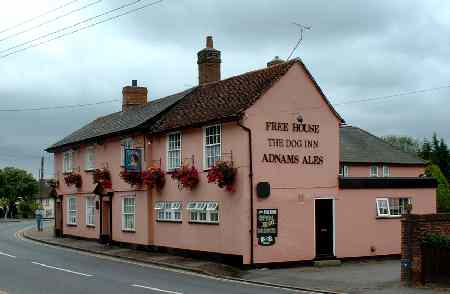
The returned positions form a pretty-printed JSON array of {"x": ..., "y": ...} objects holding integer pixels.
[
  {"x": 436, "y": 241},
  {"x": 27, "y": 208}
]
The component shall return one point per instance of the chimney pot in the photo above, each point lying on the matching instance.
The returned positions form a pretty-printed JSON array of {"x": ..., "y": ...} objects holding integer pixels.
[
  {"x": 134, "y": 83},
  {"x": 209, "y": 42}
]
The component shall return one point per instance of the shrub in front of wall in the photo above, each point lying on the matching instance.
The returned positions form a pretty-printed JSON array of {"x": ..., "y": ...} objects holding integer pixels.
[
  {"x": 154, "y": 177},
  {"x": 436, "y": 241},
  {"x": 187, "y": 177},
  {"x": 103, "y": 177},
  {"x": 73, "y": 179},
  {"x": 223, "y": 174}
]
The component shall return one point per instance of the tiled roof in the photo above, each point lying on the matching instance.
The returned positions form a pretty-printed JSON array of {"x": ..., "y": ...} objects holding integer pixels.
[
  {"x": 225, "y": 99},
  {"x": 212, "y": 102},
  {"x": 359, "y": 146},
  {"x": 119, "y": 121}
]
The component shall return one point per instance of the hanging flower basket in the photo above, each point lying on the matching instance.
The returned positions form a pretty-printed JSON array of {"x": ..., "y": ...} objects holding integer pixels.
[
  {"x": 73, "y": 179},
  {"x": 187, "y": 177},
  {"x": 103, "y": 177},
  {"x": 223, "y": 174},
  {"x": 154, "y": 177},
  {"x": 132, "y": 178}
]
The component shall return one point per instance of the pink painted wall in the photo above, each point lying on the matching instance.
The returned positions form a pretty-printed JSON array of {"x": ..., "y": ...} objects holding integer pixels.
[
  {"x": 293, "y": 185},
  {"x": 106, "y": 155},
  {"x": 81, "y": 229},
  {"x": 396, "y": 171},
  {"x": 231, "y": 235},
  {"x": 357, "y": 225}
]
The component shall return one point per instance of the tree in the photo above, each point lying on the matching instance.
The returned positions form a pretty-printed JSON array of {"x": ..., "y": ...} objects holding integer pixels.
[
  {"x": 405, "y": 143},
  {"x": 16, "y": 184},
  {"x": 425, "y": 150},
  {"x": 443, "y": 189}
]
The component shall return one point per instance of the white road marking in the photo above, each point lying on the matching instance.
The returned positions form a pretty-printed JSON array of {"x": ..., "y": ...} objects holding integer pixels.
[
  {"x": 155, "y": 289},
  {"x": 61, "y": 269},
  {"x": 5, "y": 254}
]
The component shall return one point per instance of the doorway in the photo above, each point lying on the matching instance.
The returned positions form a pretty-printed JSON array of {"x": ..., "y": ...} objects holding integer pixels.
[
  {"x": 105, "y": 219},
  {"x": 324, "y": 224}
]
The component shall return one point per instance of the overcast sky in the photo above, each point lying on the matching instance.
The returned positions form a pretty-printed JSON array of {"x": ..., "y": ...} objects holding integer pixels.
[{"x": 355, "y": 50}]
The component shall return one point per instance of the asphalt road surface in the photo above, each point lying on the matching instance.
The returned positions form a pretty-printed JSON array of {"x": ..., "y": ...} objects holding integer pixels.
[{"x": 30, "y": 268}]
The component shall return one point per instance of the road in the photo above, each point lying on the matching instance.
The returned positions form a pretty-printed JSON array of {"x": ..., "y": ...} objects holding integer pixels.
[{"x": 30, "y": 268}]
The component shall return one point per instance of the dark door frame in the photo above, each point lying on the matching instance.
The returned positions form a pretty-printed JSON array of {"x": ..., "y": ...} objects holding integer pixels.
[{"x": 333, "y": 199}]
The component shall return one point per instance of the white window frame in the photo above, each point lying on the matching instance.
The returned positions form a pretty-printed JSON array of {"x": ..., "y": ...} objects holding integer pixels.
[
  {"x": 90, "y": 211},
  {"x": 389, "y": 201},
  {"x": 208, "y": 210},
  {"x": 68, "y": 161},
  {"x": 371, "y": 171},
  {"x": 207, "y": 146},
  {"x": 379, "y": 207},
  {"x": 125, "y": 214},
  {"x": 72, "y": 211},
  {"x": 171, "y": 167},
  {"x": 343, "y": 170},
  {"x": 166, "y": 211},
  {"x": 386, "y": 171},
  {"x": 89, "y": 158}
]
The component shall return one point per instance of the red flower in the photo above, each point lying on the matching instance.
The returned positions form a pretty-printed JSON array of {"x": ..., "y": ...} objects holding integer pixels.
[
  {"x": 154, "y": 177},
  {"x": 102, "y": 176},
  {"x": 186, "y": 176},
  {"x": 73, "y": 179},
  {"x": 223, "y": 174}
]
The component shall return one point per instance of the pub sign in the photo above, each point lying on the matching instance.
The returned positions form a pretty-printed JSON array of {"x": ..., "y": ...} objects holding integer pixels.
[
  {"x": 267, "y": 226},
  {"x": 133, "y": 160}
]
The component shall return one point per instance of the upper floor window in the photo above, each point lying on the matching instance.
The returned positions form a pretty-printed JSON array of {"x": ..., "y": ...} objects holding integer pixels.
[
  {"x": 374, "y": 171},
  {"x": 68, "y": 161},
  {"x": 343, "y": 170},
  {"x": 386, "y": 171},
  {"x": 89, "y": 160},
  {"x": 173, "y": 150},
  {"x": 72, "y": 211},
  {"x": 392, "y": 206},
  {"x": 213, "y": 145}
]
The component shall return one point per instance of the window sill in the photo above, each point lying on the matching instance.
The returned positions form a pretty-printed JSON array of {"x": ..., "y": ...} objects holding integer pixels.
[
  {"x": 90, "y": 226},
  {"x": 71, "y": 225},
  {"x": 89, "y": 170},
  {"x": 169, "y": 221},
  {"x": 389, "y": 217},
  {"x": 203, "y": 223},
  {"x": 128, "y": 231}
]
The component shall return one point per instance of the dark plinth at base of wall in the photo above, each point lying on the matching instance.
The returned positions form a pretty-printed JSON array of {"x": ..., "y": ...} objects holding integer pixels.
[{"x": 58, "y": 233}]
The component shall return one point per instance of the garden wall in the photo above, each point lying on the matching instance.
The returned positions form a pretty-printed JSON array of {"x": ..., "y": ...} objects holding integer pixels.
[{"x": 414, "y": 229}]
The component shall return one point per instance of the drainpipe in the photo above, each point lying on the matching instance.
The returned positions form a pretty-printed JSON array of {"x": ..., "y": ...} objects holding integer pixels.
[{"x": 250, "y": 175}]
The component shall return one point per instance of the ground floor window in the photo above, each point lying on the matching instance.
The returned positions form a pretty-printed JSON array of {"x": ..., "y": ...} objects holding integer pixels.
[
  {"x": 203, "y": 211},
  {"x": 90, "y": 211},
  {"x": 168, "y": 211},
  {"x": 391, "y": 206},
  {"x": 72, "y": 211},
  {"x": 129, "y": 213}
]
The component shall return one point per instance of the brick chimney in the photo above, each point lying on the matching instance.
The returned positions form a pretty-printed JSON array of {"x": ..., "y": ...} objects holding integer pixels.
[
  {"x": 208, "y": 63},
  {"x": 133, "y": 96},
  {"x": 276, "y": 60}
]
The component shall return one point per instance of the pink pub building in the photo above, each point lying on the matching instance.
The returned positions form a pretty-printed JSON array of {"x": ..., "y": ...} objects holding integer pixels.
[{"x": 257, "y": 169}]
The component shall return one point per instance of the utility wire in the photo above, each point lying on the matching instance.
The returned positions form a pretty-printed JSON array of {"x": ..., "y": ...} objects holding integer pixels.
[
  {"x": 50, "y": 21},
  {"x": 58, "y": 107},
  {"x": 407, "y": 93},
  {"x": 38, "y": 16},
  {"x": 77, "y": 24}
]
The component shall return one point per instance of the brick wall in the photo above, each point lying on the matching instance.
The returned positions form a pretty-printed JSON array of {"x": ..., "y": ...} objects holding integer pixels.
[{"x": 414, "y": 228}]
